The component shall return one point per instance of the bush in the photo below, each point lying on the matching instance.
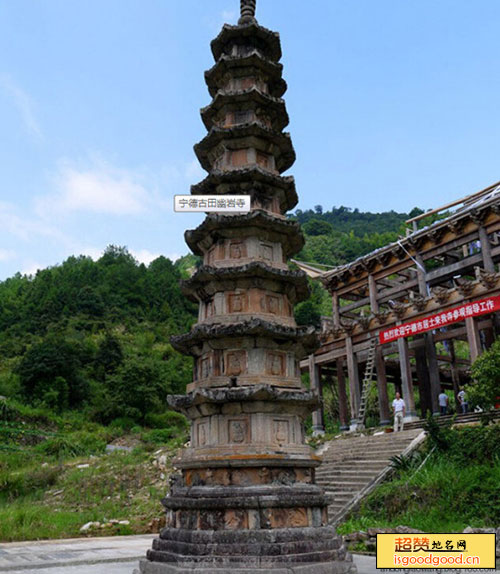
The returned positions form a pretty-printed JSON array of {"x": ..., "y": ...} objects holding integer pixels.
[
  {"x": 123, "y": 423},
  {"x": 484, "y": 391},
  {"x": 51, "y": 373},
  {"x": 166, "y": 420},
  {"x": 160, "y": 436},
  {"x": 72, "y": 445},
  {"x": 16, "y": 484},
  {"x": 467, "y": 445}
]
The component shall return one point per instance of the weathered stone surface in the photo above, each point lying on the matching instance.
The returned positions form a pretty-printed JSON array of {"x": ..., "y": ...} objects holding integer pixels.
[
  {"x": 336, "y": 567},
  {"x": 246, "y": 500}
]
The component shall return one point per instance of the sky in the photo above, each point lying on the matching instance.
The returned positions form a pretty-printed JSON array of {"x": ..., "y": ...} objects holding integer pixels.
[{"x": 393, "y": 104}]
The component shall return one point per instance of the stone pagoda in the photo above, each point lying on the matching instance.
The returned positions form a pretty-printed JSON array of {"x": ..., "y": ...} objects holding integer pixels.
[{"x": 247, "y": 499}]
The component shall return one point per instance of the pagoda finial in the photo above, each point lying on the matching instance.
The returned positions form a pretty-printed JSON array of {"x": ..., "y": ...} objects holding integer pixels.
[{"x": 248, "y": 8}]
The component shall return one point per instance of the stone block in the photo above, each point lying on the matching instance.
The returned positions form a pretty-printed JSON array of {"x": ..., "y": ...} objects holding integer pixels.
[{"x": 231, "y": 409}]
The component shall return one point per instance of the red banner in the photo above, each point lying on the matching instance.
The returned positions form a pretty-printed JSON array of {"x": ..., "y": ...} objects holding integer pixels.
[{"x": 473, "y": 309}]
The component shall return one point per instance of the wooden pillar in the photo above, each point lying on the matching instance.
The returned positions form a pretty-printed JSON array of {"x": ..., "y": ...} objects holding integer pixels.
[
  {"x": 343, "y": 407},
  {"x": 435, "y": 382},
  {"x": 335, "y": 310},
  {"x": 473, "y": 338},
  {"x": 406, "y": 379},
  {"x": 318, "y": 415},
  {"x": 455, "y": 376},
  {"x": 430, "y": 348},
  {"x": 353, "y": 374},
  {"x": 372, "y": 285},
  {"x": 383, "y": 398},
  {"x": 424, "y": 383},
  {"x": 488, "y": 263}
]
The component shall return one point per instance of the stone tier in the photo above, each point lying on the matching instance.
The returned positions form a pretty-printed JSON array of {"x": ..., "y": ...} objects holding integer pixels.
[
  {"x": 301, "y": 340},
  {"x": 306, "y": 550},
  {"x": 254, "y": 103},
  {"x": 263, "y": 186},
  {"x": 208, "y": 280},
  {"x": 243, "y": 40},
  {"x": 229, "y": 68},
  {"x": 215, "y": 147},
  {"x": 242, "y": 428},
  {"x": 258, "y": 223}
]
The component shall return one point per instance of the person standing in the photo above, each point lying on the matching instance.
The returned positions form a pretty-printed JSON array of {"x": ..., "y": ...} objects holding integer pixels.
[
  {"x": 462, "y": 397},
  {"x": 443, "y": 403},
  {"x": 398, "y": 408}
]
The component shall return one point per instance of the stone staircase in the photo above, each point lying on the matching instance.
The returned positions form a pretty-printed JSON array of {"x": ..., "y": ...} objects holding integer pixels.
[{"x": 353, "y": 466}]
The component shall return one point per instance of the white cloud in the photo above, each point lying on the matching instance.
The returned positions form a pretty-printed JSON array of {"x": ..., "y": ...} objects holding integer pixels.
[
  {"x": 144, "y": 256},
  {"x": 100, "y": 188},
  {"x": 31, "y": 268},
  {"x": 25, "y": 228},
  {"x": 6, "y": 254},
  {"x": 93, "y": 252},
  {"x": 24, "y": 104}
]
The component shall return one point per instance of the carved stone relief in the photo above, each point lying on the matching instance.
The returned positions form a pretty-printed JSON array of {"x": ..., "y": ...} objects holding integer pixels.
[{"x": 238, "y": 431}]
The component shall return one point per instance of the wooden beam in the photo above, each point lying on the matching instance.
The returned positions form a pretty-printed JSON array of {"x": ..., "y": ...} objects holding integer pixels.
[{"x": 465, "y": 199}]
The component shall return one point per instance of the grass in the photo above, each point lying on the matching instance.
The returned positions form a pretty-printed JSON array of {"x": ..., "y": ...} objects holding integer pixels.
[
  {"x": 57, "y": 499},
  {"x": 452, "y": 491},
  {"x": 55, "y": 476}
]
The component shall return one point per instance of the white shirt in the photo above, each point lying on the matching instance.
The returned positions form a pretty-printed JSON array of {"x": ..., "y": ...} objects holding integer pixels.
[
  {"x": 461, "y": 397},
  {"x": 398, "y": 405},
  {"x": 443, "y": 400}
]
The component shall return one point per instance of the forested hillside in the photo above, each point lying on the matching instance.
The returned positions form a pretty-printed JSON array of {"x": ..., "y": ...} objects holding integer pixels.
[
  {"x": 94, "y": 336},
  {"x": 341, "y": 235}
]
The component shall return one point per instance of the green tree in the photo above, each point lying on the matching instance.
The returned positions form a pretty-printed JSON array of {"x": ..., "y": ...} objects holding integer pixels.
[
  {"x": 317, "y": 227},
  {"x": 51, "y": 372},
  {"x": 136, "y": 389},
  {"x": 484, "y": 391},
  {"x": 109, "y": 355}
]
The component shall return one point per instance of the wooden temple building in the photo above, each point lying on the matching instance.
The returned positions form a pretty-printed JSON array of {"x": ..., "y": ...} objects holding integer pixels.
[{"x": 399, "y": 313}]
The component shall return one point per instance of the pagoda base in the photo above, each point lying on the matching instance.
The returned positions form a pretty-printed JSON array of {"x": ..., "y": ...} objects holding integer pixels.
[
  {"x": 282, "y": 551},
  {"x": 344, "y": 567}
]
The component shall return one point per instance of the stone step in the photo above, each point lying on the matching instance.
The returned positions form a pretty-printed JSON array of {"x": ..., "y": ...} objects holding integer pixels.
[
  {"x": 360, "y": 459},
  {"x": 342, "y": 473},
  {"x": 352, "y": 463},
  {"x": 343, "y": 486},
  {"x": 367, "y": 451}
]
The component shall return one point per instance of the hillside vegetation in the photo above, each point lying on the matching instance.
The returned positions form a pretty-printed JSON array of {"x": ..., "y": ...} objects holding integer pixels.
[
  {"x": 449, "y": 485},
  {"x": 85, "y": 362}
]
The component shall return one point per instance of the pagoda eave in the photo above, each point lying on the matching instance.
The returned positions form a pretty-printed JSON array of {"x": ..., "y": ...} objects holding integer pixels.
[
  {"x": 216, "y": 226},
  {"x": 209, "y": 280},
  {"x": 223, "y": 101},
  {"x": 243, "y": 394},
  {"x": 266, "y": 41},
  {"x": 244, "y": 136},
  {"x": 303, "y": 338},
  {"x": 246, "y": 180},
  {"x": 230, "y": 65}
]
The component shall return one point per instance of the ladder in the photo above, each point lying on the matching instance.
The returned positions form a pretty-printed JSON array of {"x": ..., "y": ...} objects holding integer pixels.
[{"x": 367, "y": 382}]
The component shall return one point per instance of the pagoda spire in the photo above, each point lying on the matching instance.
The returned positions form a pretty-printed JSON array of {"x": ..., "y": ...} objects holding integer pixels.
[{"x": 248, "y": 8}]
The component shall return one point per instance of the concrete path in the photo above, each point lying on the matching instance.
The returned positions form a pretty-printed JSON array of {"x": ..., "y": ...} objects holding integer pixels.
[{"x": 118, "y": 555}]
